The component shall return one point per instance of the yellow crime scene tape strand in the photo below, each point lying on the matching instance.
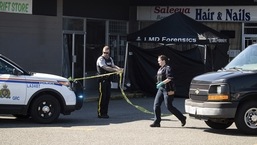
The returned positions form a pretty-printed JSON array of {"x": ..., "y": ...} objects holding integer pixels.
[
  {"x": 91, "y": 77},
  {"x": 128, "y": 101},
  {"x": 142, "y": 109}
]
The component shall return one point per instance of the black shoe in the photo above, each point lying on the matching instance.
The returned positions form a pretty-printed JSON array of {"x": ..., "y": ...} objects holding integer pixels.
[
  {"x": 155, "y": 125},
  {"x": 183, "y": 122},
  {"x": 103, "y": 116}
]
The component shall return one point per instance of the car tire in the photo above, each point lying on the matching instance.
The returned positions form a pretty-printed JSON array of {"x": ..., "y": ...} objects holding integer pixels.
[
  {"x": 45, "y": 109},
  {"x": 219, "y": 124},
  {"x": 246, "y": 118}
]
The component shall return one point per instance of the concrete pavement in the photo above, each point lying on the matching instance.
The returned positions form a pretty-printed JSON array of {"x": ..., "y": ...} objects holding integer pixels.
[{"x": 92, "y": 95}]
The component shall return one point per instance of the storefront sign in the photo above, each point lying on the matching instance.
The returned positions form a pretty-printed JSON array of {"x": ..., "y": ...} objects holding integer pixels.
[
  {"x": 212, "y": 13},
  {"x": 16, "y": 6}
]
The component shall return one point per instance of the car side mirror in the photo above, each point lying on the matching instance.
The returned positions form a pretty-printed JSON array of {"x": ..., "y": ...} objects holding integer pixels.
[{"x": 16, "y": 72}]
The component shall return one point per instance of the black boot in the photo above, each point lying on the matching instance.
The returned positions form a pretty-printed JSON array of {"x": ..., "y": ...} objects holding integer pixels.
[
  {"x": 155, "y": 125},
  {"x": 183, "y": 122}
]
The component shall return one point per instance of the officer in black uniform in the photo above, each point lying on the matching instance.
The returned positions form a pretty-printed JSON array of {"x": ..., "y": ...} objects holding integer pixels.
[
  {"x": 165, "y": 86},
  {"x": 105, "y": 64}
]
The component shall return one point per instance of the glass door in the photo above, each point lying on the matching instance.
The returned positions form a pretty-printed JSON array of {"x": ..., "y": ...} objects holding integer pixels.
[
  {"x": 96, "y": 31},
  {"x": 73, "y": 56},
  {"x": 118, "y": 47}
]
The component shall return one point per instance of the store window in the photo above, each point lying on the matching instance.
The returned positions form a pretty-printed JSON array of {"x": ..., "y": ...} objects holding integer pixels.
[
  {"x": 117, "y": 40},
  {"x": 250, "y": 28},
  {"x": 250, "y": 31}
]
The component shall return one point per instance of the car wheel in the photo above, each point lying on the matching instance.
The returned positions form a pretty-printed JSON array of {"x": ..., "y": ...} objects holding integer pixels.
[
  {"x": 246, "y": 118},
  {"x": 217, "y": 124},
  {"x": 45, "y": 109}
]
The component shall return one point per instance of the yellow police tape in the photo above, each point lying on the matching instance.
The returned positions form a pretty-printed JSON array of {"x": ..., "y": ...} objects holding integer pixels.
[
  {"x": 142, "y": 109},
  {"x": 91, "y": 77}
]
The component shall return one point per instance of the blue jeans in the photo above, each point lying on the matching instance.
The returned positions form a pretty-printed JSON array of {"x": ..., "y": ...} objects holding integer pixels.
[{"x": 162, "y": 95}]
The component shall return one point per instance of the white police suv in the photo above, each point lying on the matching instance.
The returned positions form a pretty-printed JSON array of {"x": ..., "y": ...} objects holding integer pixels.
[{"x": 43, "y": 97}]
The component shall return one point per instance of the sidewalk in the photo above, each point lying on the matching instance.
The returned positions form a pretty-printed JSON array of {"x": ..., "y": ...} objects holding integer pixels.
[{"x": 92, "y": 95}]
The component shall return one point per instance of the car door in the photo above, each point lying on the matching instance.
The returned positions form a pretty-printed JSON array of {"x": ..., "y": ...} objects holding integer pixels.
[{"x": 12, "y": 87}]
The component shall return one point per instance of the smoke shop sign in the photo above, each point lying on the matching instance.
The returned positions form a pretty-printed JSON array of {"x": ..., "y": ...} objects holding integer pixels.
[
  {"x": 16, "y": 6},
  {"x": 222, "y": 14}
]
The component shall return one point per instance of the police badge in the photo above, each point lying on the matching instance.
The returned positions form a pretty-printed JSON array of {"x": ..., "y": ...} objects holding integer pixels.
[{"x": 5, "y": 92}]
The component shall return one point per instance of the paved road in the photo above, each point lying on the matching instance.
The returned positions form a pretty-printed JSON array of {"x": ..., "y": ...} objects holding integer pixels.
[{"x": 126, "y": 126}]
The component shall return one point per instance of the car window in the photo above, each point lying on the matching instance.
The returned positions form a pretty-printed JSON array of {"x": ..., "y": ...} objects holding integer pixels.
[
  {"x": 246, "y": 60},
  {"x": 5, "y": 68}
]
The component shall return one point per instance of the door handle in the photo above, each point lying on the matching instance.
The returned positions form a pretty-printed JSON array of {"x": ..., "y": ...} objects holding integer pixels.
[{"x": 74, "y": 58}]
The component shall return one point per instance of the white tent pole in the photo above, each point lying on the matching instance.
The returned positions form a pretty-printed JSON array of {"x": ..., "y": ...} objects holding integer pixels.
[
  {"x": 205, "y": 53},
  {"x": 125, "y": 66}
]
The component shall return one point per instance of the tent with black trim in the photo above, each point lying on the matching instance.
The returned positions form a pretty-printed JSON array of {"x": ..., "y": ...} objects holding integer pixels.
[{"x": 141, "y": 64}]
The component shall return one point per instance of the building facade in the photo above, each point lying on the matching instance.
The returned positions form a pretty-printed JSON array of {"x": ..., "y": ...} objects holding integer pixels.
[
  {"x": 65, "y": 37},
  {"x": 235, "y": 19}
]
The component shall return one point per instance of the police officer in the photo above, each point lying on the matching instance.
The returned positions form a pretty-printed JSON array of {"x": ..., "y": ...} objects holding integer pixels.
[
  {"x": 105, "y": 64},
  {"x": 165, "y": 86}
]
